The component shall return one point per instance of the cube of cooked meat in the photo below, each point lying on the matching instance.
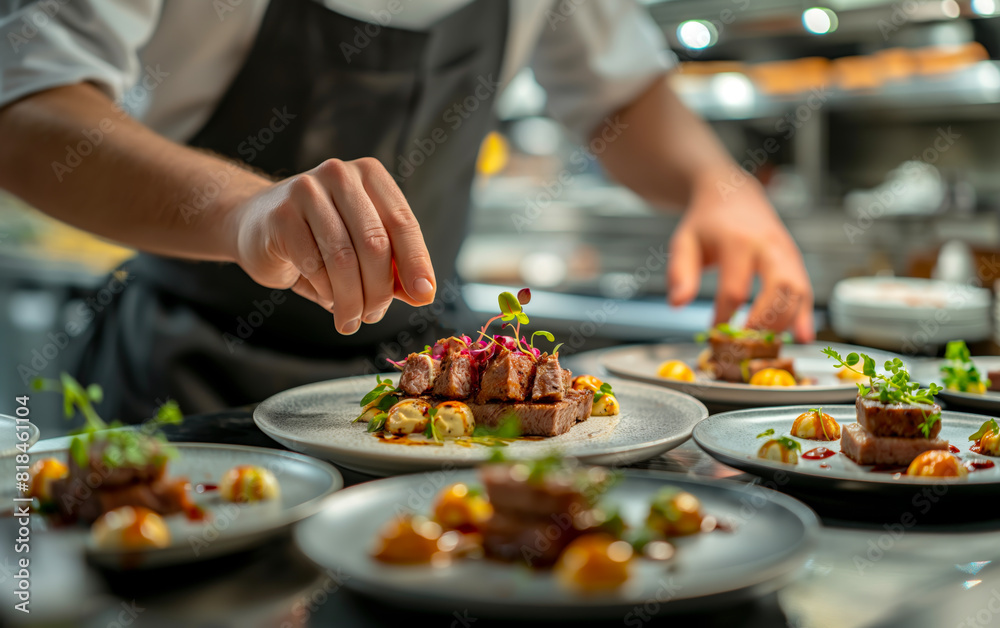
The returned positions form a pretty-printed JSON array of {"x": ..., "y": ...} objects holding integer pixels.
[
  {"x": 538, "y": 418},
  {"x": 862, "y": 447},
  {"x": 896, "y": 419},
  {"x": 76, "y": 500},
  {"x": 994, "y": 377},
  {"x": 419, "y": 374},
  {"x": 537, "y": 542},
  {"x": 759, "y": 364},
  {"x": 507, "y": 377},
  {"x": 458, "y": 373},
  {"x": 560, "y": 492},
  {"x": 118, "y": 475},
  {"x": 729, "y": 353},
  {"x": 550, "y": 379}
]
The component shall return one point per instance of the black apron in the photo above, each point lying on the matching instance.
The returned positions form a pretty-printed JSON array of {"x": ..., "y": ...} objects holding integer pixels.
[{"x": 316, "y": 85}]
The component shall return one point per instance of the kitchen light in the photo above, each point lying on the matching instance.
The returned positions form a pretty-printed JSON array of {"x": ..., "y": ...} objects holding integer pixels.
[
  {"x": 697, "y": 34},
  {"x": 819, "y": 20},
  {"x": 950, "y": 8},
  {"x": 984, "y": 7}
]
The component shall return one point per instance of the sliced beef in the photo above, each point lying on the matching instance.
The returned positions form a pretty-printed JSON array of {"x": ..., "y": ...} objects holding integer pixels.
[
  {"x": 729, "y": 354},
  {"x": 537, "y": 542},
  {"x": 419, "y": 374},
  {"x": 538, "y": 418},
  {"x": 507, "y": 377},
  {"x": 99, "y": 473},
  {"x": 863, "y": 448},
  {"x": 458, "y": 373},
  {"x": 76, "y": 500},
  {"x": 786, "y": 364},
  {"x": 550, "y": 379},
  {"x": 509, "y": 492},
  {"x": 994, "y": 377},
  {"x": 895, "y": 419}
]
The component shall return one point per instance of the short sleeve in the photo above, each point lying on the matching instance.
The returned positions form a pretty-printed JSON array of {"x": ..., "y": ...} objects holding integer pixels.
[
  {"x": 595, "y": 57},
  {"x": 51, "y": 43}
]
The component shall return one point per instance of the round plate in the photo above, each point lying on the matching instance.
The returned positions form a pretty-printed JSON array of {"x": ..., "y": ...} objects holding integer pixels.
[
  {"x": 8, "y": 435},
  {"x": 731, "y": 438},
  {"x": 989, "y": 401},
  {"x": 306, "y": 484},
  {"x": 316, "y": 420},
  {"x": 770, "y": 539},
  {"x": 641, "y": 362}
]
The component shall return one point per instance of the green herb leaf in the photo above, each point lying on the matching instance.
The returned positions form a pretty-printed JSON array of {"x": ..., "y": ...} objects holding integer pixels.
[
  {"x": 985, "y": 428},
  {"x": 378, "y": 422},
  {"x": 605, "y": 390},
  {"x": 509, "y": 305},
  {"x": 78, "y": 449},
  {"x": 789, "y": 443},
  {"x": 766, "y": 433}
]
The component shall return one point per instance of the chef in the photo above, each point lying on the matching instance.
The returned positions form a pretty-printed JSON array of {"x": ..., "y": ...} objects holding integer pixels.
[{"x": 289, "y": 169}]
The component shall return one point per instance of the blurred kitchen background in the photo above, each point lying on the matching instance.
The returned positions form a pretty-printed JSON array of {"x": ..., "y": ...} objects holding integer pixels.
[{"x": 874, "y": 126}]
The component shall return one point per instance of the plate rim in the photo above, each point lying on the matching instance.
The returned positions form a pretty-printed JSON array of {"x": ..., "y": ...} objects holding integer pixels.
[
  {"x": 785, "y": 565},
  {"x": 288, "y": 517},
  {"x": 416, "y": 461}
]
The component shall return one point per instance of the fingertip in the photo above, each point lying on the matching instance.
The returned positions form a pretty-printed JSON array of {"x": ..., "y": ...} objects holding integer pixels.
[{"x": 422, "y": 290}]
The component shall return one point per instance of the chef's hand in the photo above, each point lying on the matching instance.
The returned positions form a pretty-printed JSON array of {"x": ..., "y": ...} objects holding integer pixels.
[
  {"x": 741, "y": 233},
  {"x": 342, "y": 235}
]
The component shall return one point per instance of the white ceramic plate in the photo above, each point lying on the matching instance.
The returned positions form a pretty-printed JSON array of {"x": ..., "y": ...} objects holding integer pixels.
[
  {"x": 306, "y": 484},
  {"x": 316, "y": 420},
  {"x": 989, "y": 401},
  {"x": 8, "y": 435},
  {"x": 731, "y": 438},
  {"x": 641, "y": 362},
  {"x": 769, "y": 541}
]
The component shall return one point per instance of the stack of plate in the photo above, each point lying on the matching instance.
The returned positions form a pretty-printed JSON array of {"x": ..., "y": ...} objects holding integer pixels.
[{"x": 909, "y": 315}]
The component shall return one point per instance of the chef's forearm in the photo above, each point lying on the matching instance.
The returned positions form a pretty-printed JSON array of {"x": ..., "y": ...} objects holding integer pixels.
[
  {"x": 663, "y": 151},
  {"x": 74, "y": 155}
]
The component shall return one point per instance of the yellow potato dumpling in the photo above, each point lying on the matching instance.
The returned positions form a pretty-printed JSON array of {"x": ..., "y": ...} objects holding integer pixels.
[
  {"x": 247, "y": 483},
  {"x": 459, "y": 508},
  {"x": 130, "y": 528},
  {"x": 937, "y": 463},
  {"x": 587, "y": 382},
  {"x": 779, "y": 450},
  {"x": 675, "y": 369},
  {"x": 989, "y": 443},
  {"x": 453, "y": 418},
  {"x": 848, "y": 375},
  {"x": 977, "y": 388},
  {"x": 43, "y": 473},
  {"x": 607, "y": 405},
  {"x": 594, "y": 562},
  {"x": 409, "y": 540},
  {"x": 409, "y": 416},
  {"x": 674, "y": 513},
  {"x": 816, "y": 425},
  {"x": 772, "y": 377}
]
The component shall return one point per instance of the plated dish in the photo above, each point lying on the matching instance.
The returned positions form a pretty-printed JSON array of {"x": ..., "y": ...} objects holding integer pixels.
[
  {"x": 971, "y": 381},
  {"x": 722, "y": 371},
  {"x": 548, "y": 538},
  {"x": 455, "y": 399},
  {"x": 134, "y": 500}
]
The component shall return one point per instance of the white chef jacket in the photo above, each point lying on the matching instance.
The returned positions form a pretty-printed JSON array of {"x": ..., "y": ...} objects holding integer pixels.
[{"x": 169, "y": 62}]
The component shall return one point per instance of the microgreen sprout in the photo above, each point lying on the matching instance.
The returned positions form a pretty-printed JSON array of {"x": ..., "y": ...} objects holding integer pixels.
[
  {"x": 894, "y": 387},
  {"x": 789, "y": 443},
  {"x": 766, "y": 433},
  {"x": 958, "y": 372},
  {"x": 986, "y": 428},
  {"x": 605, "y": 390}
]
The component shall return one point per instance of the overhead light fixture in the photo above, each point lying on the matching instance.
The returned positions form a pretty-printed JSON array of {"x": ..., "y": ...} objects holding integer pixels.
[
  {"x": 985, "y": 8},
  {"x": 697, "y": 34},
  {"x": 819, "y": 20}
]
